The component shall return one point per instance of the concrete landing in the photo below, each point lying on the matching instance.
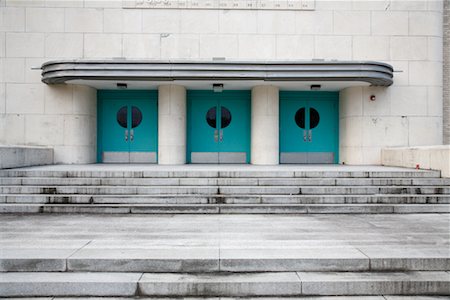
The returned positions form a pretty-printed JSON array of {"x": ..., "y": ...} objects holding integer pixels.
[{"x": 224, "y": 243}]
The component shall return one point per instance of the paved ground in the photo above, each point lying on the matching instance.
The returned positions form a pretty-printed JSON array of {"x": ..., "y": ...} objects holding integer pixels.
[{"x": 219, "y": 236}]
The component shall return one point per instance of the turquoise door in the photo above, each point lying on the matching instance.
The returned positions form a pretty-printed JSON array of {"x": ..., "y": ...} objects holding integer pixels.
[
  {"x": 218, "y": 127},
  {"x": 309, "y": 130},
  {"x": 127, "y": 126}
]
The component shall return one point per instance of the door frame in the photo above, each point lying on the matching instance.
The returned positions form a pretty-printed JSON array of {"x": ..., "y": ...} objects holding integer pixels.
[
  {"x": 320, "y": 96},
  {"x": 105, "y": 95},
  {"x": 239, "y": 94}
]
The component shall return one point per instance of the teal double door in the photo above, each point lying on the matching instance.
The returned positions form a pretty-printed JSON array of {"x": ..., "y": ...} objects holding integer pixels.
[
  {"x": 309, "y": 128},
  {"x": 127, "y": 126},
  {"x": 218, "y": 129}
]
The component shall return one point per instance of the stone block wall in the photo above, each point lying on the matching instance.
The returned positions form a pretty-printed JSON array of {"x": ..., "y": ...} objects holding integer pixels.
[
  {"x": 447, "y": 72},
  {"x": 406, "y": 34}
]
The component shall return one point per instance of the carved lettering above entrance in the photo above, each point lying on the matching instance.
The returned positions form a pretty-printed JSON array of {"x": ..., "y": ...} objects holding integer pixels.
[{"x": 222, "y": 4}]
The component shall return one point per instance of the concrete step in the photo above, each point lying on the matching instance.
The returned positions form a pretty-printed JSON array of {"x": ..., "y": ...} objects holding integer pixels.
[
  {"x": 384, "y": 297},
  {"x": 224, "y": 199},
  {"x": 225, "y": 208},
  {"x": 238, "y": 260},
  {"x": 225, "y": 190},
  {"x": 52, "y": 181},
  {"x": 40, "y": 284},
  {"x": 193, "y": 173}
]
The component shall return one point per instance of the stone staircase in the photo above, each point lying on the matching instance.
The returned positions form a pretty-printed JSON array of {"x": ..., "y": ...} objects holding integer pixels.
[
  {"x": 145, "y": 256},
  {"x": 209, "y": 191}
]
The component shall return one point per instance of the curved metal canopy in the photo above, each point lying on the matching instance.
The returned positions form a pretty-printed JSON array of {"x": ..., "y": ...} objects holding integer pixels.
[{"x": 374, "y": 73}]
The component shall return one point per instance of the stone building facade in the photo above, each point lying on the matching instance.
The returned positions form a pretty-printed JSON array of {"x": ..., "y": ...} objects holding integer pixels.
[{"x": 351, "y": 35}]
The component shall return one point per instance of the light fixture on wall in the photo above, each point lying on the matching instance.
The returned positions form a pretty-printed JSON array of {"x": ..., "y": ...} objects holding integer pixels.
[
  {"x": 217, "y": 87},
  {"x": 315, "y": 87},
  {"x": 122, "y": 85}
]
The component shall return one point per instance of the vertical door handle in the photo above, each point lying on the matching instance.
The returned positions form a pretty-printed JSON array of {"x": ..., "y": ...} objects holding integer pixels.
[
  {"x": 126, "y": 135},
  {"x": 131, "y": 135},
  {"x": 216, "y": 135},
  {"x": 304, "y": 135},
  {"x": 310, "y": 135},
  {"x": 221, "y": 135}
]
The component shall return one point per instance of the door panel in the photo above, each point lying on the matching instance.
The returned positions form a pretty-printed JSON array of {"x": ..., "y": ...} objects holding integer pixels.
[
  {"x": 218, "y": 127},
  {"x": 127, "y": 126},
  {"x": 309, "y": 127}
]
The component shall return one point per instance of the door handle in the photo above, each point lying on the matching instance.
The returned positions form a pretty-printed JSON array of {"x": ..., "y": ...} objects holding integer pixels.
[
  {"x": 310, "y": 135},
  {"x": 221, "y": 135},
  {"x": 216, "y": 135},
  {"x": 304, "y": 135},
  {"x": 126, "y": 135},
  {"x": 131, "y": 135}
]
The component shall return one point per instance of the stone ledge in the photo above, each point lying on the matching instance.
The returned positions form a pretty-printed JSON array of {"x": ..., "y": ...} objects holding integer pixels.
[
  {"x": 24, "y": 156},
  {"x": 426, "y": 157}
]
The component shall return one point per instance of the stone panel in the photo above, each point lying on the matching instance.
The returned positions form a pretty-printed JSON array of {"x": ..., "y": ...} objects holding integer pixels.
[
  {"x": 350, "y": 102},
  {"x": 180, "y": 47},
  {"x": 44, "y": 129},
  {"x": 351, "y": 131},
  {"x": 58, "y": 99},
  {"x": 446, "y": 71},
  {"x": 351, "y": 22},
  {"x": 83, "y": 20},
  {"x": 380, "y": 106},
  {"x": 389, "y": 23},
  {"x": 409, "y": 48},
  {"x": 2, "y": 98},
  {"x": 314, "y": 22},
  {"x": 425, "y": 23},
  {"x": 24, "y": 44},
  {"x": 45, "y": 19},
  {"x": 435, "y": 49},
  {"x": 75, "y": 154},
  {"x": 295, "y": 47},
  {"x": 218, "y": 46},
  {"x": 385, "y": 131},
  {"x": 84, "y": 100},
  {"x": 24, "y": 98},
  {"x": 95, "y": 45},
  {"x": 425, "y": 131},
  {"x": 371, "y": 48},
  {"x": 276, "y": 22},
  {"x": 2, "y": 44},
  {"x": 24, "y": 3},
  {"x": 333, "y": 47},
  {"x": 64, "y": 45},
  {"x": 13, "y": 129},
  {"x": 141, "y": 46},
  {"x": 13, "y": 19},
  {"x": 161, "y": 21},
  {"x": 435, "y": 102},
  {"x": 65, "y": 3},
  {"x": 238, "y": 21},
  {"x": 333, "y": 5},
  {"x": 257, "y": 46},
  {"x": 199, "y": 21},
  {"x": 122, "y": 20},
  {"x": 412, "y": 5},
  {"x": 425, "y": 73},
  {"x": 408, "y": 101},
  {"x": 13, "y": 70},
  {"x": 79, "y": 131}
]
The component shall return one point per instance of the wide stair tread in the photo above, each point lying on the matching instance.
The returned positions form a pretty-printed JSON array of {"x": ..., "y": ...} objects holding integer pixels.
[{"x": 277, "y": 284}]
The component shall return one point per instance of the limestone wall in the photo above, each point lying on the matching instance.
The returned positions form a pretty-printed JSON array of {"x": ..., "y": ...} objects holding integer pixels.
[
  {"x": 406, "y": 34},
  {"x": 447, "y": 72}
]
